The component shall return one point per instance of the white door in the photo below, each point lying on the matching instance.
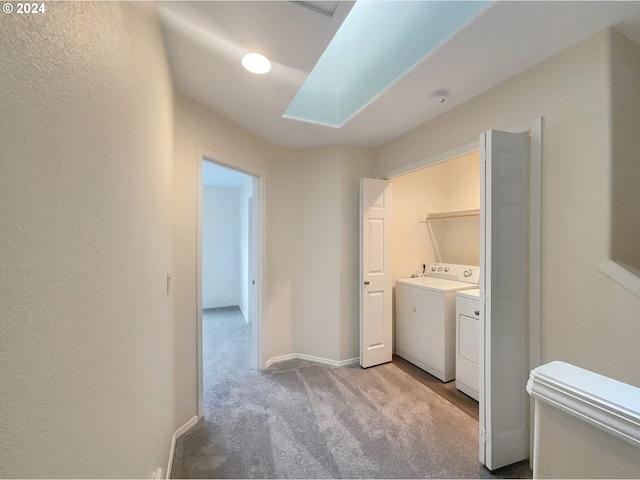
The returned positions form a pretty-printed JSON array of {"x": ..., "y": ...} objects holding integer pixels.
[
  {"x": 504, "y": 353},
  {"x": 254, "y": 274},
  {"x": 375, "y": 272}
]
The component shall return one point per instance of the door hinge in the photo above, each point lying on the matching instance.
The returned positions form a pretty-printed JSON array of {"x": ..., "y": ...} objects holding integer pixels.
[
  {"x": 484, "y": 298},
  {"x": 483, "y": 436}
]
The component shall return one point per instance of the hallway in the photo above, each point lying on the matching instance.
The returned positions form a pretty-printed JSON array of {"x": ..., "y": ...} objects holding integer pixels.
[{"x": 301, "y": 419}]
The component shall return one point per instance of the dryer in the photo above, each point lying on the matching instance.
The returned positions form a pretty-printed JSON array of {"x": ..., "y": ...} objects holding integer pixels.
[
  {"x": 426, "y": 316},
  {"x": 468, "y": 342}
]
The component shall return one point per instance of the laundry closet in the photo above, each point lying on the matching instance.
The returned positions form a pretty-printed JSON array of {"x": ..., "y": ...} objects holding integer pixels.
[
  {"x": 475, "y": 224},
  {"x": 436, "y": 219}
]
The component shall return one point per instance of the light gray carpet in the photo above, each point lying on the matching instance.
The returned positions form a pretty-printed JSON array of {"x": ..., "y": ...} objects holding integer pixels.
[{"x": 305, "y": 420}]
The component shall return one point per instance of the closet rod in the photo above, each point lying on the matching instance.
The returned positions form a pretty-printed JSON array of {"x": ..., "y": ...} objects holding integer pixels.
[{"x": 460, "y": 213}]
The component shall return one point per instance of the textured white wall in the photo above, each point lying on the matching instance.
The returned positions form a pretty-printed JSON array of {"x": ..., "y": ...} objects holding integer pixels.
[
  {"x": 220, "y": 246},
  {"x": 604, "y": 339},
  {"x": 326, "y": 291},
  {"x": 86, "y": 133},
  {"x": 316, "y": 309},
  {"x": 625, "y": 95}
]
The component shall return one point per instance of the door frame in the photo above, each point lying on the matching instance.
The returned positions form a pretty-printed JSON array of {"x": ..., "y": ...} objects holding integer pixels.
[
  {"x": 257, "y": 246},
  {"x": 533, "y": 128}
]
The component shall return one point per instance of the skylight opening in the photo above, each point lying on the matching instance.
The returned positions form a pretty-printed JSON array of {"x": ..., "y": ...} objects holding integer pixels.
[{"x": 378, "y": 43}]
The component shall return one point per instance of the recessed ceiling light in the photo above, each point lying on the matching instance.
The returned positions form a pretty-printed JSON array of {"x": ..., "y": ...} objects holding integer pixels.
[{"x": 256, "y": 63}]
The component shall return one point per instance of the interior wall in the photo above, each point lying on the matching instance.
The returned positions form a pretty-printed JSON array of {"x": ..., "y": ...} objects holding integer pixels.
[
  {"x": 86, "y": 141},
  {"x": 568, "y": 447},
  {"x": 221, "y": 224},
  {"x": 200, "y": 131},
  {"x": 625, "y": 96},
  {"x": 459, "y": 240},
  {"x": 571, "y": 91},
  {"x": 414, "y": 195},
  {"x": 326, "y": 295},
  {"x": 246, "y": 191},
  {"x": 356, "y": 163},
  {"x": 446, "y": 186},
  {"x": 316, "y": 309}
]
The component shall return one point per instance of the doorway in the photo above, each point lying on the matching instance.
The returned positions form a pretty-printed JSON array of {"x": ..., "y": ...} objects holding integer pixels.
[{"x": 228, "y": 271}]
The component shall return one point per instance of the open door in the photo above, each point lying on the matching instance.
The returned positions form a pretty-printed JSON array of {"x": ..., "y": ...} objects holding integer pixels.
[
  {"x": 375, "y": 272},
  {"x": 504, "y": 287},
  {"x": 254, "y": 274}
]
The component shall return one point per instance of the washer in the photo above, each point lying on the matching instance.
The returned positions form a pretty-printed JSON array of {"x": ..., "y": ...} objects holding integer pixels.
[
  {"x": 468, "y": 342},
  {"x": 426, "y": 316}
]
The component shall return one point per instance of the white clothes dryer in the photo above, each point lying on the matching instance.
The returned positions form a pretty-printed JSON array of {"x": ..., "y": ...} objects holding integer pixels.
[
  {"x": 426, "y": 316},
  {"x": 468, "y": 342}
]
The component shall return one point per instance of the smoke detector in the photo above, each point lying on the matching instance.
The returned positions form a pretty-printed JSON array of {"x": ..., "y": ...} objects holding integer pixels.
[{"x": 439, "y": 96}]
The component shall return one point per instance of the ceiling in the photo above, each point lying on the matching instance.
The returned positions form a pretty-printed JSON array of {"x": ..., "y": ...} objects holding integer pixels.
[{"x": 205, "y": 41}]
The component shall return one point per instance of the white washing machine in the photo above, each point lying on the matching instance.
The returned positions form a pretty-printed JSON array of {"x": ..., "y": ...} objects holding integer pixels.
[{"x": 426, "y": 317}]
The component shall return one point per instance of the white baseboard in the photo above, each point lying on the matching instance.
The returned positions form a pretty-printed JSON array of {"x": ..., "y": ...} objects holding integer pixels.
[
  {"x": 281, "y": 358},
  {"x": 311, "y": 358},
  {"x": 221, "y": 305},
  {"x": 178, "y": 433},
  {"x": 244, "y": 314}
]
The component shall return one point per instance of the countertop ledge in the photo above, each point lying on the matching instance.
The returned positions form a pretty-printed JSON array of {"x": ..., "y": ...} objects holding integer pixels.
[{"x": 603, "y": 402}]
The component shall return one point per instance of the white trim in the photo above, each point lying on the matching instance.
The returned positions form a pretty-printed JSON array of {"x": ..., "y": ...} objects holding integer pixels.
[
  {"x": 178, "y": 433},
  {"x": 311, "y": 358},
  {"x": 607, "y": 404},
  {"x": 244, "y": 314},
  {"x": 281, "y": 358},
  {"x": 224, "y": 305},
  {"x": 199, "y": 349},
  {"x": 334, "y": 363},
  {"x": 623, "y": 273},
  {"x": 434, "y": 159}
]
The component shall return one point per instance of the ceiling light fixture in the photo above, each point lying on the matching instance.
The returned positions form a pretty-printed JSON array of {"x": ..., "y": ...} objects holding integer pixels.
[{"x": 256, "y": 63}]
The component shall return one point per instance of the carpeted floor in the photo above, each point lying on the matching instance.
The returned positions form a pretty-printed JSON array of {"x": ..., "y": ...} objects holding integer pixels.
[{"x": 305, "y": 420}]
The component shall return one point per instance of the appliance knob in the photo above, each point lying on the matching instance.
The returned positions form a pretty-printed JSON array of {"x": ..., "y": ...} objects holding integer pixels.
[
  {"x": 446, "y": 269},
  {"x": 433, "y": 269},
  {"x": 439, "y": 269},
  {"x": 467, "y": 273}
]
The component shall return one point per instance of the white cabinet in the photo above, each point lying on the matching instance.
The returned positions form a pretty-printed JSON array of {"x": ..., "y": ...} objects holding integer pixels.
[
  {"x": 425, "y": 329},
  {"x": 468, "y": 342}
]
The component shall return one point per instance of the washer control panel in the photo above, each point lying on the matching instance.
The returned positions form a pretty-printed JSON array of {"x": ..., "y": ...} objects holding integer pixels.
[{"x": 452, "y": 271}]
